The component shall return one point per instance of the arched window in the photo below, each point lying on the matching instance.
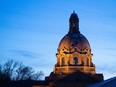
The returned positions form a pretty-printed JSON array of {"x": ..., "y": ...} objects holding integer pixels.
[
  {"x": 86, "y": 61},
  {"x": 63, "y": 61},
  {"x": 75, "y": 61}
]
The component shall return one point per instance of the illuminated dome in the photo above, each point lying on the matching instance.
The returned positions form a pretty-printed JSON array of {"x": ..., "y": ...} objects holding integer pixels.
[
  {"x": 70, "y": 41},
  {"x": 74, "y": 66},
  {"x": 74, "y": 38},
  {"x": 74, "y": 52}
]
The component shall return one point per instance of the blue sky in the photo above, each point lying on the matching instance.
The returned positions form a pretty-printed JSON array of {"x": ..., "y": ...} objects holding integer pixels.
[{"x": 30, "y": 31}]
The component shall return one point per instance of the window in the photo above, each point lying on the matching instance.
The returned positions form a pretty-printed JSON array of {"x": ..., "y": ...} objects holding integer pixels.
[
  {"x": 75, "y": 61},
  {"x": 63, "y": 61},
  {"x": 86, "y": 62}
]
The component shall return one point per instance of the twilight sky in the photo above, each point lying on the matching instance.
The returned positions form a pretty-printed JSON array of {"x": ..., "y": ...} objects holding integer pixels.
[{"x": 30, "y": 31}]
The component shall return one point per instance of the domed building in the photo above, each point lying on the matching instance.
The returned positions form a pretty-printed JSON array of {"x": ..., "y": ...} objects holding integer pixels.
[
  {"x": 74, "y": 67},
  {"x": 74, "y": 51}
]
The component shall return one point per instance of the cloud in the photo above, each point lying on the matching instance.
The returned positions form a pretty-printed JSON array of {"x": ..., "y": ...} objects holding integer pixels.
[
  {"x": 107, "y": 67},
  {"x": 108, "y": 70},
  {"x": 26, "y": 53},
  {"x": 32, "y": 58},
  {"x": 111, "y": 49}
]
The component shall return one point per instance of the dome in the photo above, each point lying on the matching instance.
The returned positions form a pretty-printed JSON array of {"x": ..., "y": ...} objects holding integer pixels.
[
  {"x": 74, "y": 51},
  {"x": 72, "y": 40}
]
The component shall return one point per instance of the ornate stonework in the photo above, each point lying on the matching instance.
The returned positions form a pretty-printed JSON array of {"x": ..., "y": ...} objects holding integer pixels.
[
  {"x": 74, "y": 67},
  {"x": 74, "y": 52}
]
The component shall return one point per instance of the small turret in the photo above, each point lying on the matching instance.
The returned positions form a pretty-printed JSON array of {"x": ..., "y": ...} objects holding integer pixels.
[{"x": 74, "y": 23}]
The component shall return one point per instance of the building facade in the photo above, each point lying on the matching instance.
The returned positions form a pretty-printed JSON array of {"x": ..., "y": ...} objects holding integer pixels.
[
  {"x": 74, "y": 66},
  {"x": 74, "y": 51}
]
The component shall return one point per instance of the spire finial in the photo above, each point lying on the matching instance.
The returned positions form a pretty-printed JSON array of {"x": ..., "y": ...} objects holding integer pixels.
[
  {"x": 73, "y": 11},
  {"x": 74, "y": 23}
]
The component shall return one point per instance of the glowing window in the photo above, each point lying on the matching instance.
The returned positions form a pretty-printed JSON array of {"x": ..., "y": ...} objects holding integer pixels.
[
  {"x": 86, "y": 62},
  {"x": 75, "y": 61},
  {"x": 63, "y": 61}
]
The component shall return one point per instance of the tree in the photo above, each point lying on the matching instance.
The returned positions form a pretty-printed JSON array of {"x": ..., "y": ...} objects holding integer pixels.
[
  {"x": 37, "y": 76},
  {"x": 27, "y": 73},
  {"x": 8, "y": 69},
  {"x": 14, "y": 71}
]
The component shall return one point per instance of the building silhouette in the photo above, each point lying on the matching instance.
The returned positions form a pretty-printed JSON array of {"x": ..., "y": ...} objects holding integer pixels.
[{"x": 74, "y": 67}]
